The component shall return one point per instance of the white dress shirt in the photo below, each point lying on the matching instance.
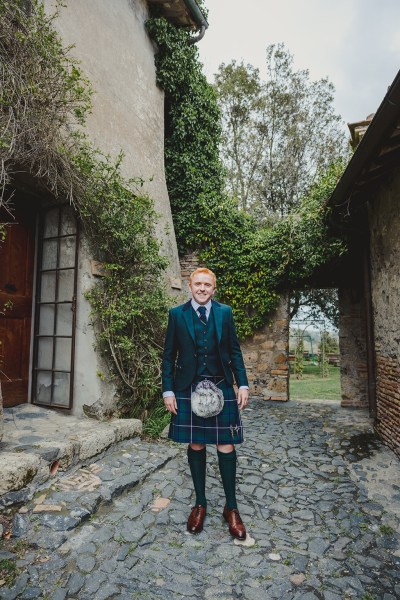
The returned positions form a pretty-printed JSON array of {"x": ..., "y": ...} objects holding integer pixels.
[{"x": 195, "y": 306}]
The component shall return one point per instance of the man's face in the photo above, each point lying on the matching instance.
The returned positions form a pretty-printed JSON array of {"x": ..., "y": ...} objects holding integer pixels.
[{"x": 202, "y": 287}]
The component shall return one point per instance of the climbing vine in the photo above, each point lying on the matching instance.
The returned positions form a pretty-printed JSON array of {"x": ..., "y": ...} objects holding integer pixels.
[
  {"x": 252, "y": 263},
  {"x": 129, "y": 304},
  {"x": 44, "y": 101},
  {"x": 193, "y": 130}
]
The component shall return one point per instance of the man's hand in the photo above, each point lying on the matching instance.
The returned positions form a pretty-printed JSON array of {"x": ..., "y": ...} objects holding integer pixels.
[
  {"x": 243, "y": 398},
  {"x": 171, "y": 404}
]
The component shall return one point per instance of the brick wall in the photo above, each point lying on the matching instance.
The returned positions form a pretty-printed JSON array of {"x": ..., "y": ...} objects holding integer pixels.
[
  {"x": 384, "y": 221},
  {"x": 353, "y": 354},
  {"x": 388, "y": 400}
]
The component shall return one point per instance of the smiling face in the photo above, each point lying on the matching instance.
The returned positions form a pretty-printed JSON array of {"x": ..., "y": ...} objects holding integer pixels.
[{"x": 202, "y": 287}]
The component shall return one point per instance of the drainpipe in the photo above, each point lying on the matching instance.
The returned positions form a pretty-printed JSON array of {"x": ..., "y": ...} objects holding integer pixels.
[
  {"x": 198, "y": 16},
  {"x": 194, "y": 40}
]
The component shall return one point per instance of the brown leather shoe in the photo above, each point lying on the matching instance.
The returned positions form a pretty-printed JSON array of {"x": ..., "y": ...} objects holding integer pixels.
[
  {"x": 236, "y": 527},
  {"x": 196, "y": 519}
]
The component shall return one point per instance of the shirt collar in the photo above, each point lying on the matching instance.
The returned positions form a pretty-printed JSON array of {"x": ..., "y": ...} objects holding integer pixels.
[{"x": 196, "y": 305}]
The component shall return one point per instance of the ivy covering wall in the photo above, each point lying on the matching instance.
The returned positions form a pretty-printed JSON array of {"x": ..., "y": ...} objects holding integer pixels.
[{"x": 192, "y": 130}]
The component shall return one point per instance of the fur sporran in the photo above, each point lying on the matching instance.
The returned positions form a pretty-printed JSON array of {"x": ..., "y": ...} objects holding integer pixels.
[{"x": 207, "y": 399}]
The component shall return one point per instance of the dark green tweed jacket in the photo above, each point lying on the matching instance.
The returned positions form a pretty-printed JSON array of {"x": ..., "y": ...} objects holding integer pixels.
[{"x": 180, "y": 359}]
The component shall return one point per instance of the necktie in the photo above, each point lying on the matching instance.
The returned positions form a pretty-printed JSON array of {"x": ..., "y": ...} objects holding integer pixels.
[{"x": 202, "y": 312}]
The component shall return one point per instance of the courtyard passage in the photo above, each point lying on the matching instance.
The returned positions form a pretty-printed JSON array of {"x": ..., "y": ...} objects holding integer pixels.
[{"x": 320, "y": 497}]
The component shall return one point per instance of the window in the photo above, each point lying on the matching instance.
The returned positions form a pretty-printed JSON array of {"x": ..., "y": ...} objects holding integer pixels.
[{"x": 55, "y": 308}]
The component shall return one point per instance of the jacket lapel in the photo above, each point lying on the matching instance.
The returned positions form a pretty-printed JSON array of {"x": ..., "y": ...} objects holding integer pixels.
[
  {"x": 187, "y": 315},
  {"x": 216, "y": 307}
]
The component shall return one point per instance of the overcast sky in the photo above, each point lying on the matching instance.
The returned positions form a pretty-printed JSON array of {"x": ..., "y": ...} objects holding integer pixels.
[{"x": 355, "y": 43}]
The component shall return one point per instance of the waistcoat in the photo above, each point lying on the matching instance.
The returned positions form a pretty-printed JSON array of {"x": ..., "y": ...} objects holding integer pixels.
[{"x": 208, "y": 362}]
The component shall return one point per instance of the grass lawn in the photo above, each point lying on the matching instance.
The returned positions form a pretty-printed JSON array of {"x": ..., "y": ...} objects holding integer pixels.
[{"x": 313, "y": 386}]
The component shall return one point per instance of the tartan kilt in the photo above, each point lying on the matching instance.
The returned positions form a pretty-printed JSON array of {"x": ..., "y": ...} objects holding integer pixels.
[{"x": 225, "y": 428}]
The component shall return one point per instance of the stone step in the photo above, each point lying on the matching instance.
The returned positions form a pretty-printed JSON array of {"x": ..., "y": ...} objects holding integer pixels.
[
  {"x": 74, "y": 497},
  {"x": 37, "y": 443}
]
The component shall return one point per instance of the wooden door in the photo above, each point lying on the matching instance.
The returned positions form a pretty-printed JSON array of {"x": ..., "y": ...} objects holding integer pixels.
[{"x": 16, "y": 289}]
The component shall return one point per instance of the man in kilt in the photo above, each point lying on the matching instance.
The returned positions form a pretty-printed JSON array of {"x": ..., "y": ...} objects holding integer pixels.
[{"x": 201, "y": 343}]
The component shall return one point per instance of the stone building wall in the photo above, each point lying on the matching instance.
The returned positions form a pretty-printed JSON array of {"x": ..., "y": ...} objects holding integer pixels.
[
  {"x": 352, "y": 344},
  {"x": 189, "y": 263},
  {"x": 266, "y": 353},
  {"x": 384, "y": 221}
]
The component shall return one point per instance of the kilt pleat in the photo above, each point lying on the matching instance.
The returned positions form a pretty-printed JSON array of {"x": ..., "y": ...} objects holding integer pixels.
[{"x": 225, "y": 428}]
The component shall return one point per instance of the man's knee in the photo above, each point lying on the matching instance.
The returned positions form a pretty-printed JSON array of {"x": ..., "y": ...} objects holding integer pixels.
[
  {"x": 197, "y": 446},
  {"x": 225, "y": 448}
]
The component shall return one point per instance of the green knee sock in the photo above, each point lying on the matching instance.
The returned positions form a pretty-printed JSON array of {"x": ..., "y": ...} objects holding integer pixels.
[
  {"x": 227, "y": 468},
  {"x": 197, "y": 464}
]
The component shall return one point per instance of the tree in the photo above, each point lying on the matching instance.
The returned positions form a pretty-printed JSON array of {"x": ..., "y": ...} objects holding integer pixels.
[
  {"x": 330, "y": 342},
  {"x": 242, "y": 102},
  {"x": 278, "y": 134},
  {"x": 320, "y": 303},
  {"x": 323, "y": 355},
  {"x": 298, "y": 358}
]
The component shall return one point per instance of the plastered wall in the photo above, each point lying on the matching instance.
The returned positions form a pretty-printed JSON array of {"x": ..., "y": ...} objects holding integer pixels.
[{"x": 117, "y": 55}]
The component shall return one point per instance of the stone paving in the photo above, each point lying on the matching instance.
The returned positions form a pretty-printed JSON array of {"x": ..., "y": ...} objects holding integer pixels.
[{"x": 322, "y": 519}]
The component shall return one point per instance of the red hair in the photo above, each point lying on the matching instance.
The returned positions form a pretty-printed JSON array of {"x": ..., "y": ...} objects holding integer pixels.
[{"x": 203, "y": 270}]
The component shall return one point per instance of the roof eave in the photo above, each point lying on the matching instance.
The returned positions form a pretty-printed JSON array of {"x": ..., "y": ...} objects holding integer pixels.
[{"x": 379, "y": 127}]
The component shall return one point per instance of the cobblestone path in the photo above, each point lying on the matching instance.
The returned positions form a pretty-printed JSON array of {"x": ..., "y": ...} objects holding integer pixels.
[{"x": 314, "y": 531}]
